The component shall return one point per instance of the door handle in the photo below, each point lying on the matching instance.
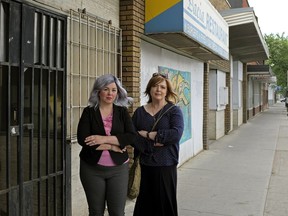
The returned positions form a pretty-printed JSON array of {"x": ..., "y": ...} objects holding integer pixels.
[{"x": 29, "y": 126}]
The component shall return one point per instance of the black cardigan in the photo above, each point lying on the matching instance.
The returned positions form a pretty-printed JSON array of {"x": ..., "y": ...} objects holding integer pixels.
[{"x": 91, "y": 124}]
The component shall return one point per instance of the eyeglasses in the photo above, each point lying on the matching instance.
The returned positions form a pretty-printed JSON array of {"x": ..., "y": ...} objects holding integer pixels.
[{"x": 160, "y": 74}]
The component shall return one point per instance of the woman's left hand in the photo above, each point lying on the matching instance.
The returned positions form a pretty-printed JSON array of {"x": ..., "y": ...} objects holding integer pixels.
[{"x": 95, "y": 140}]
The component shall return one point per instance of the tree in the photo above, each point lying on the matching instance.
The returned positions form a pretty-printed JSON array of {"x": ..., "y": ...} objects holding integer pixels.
[{"x": 278, "y": 59}]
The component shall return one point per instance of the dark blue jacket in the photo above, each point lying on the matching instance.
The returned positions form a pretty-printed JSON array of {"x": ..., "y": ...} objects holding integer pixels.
[{"x": 169, "y": 131}]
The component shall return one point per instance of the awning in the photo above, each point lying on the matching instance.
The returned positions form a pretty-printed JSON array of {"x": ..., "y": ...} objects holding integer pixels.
[
  {"x": 261, "y": 73},
  {"x": 186, "y": 44},
  {"x": 259, "y": 70},
  {"x": 246, "y": 42}
]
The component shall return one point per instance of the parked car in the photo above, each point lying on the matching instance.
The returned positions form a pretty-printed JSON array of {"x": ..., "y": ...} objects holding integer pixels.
[{"x": 283, "y": 100}]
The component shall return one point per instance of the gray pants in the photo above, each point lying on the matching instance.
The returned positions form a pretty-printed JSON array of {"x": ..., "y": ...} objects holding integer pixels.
[{"x": 105, "y": 184}]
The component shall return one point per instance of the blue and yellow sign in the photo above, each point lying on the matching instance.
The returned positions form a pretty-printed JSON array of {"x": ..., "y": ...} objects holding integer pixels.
[{"x": 197, "y": 19}]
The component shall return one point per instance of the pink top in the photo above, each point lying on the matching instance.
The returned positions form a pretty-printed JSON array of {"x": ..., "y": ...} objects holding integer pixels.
[{"x": 105, "y": 159}]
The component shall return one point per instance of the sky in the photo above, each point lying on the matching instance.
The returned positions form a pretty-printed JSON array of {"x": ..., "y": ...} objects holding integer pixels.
[{"x": 272, "y": 15}]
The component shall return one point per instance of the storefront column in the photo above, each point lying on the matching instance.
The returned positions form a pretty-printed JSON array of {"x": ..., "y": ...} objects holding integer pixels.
[
  {"x": 206, "y": 106},
  {"x": 132, "y": 25},
  {"x": 228, "y": 108},
  {"x": 245, "y": 93}
]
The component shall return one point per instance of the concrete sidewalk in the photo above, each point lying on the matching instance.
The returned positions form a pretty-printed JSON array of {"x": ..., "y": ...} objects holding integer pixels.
[{"x": 242, "y": 174}]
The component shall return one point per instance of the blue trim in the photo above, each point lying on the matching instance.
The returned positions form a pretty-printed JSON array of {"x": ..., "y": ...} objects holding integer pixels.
[
  {"x": 199, "y": 36},
  {"x": 196, "y": 20}
]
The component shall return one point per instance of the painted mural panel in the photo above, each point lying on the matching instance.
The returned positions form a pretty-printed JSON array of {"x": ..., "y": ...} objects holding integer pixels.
[{"x": 181, "y": 82}]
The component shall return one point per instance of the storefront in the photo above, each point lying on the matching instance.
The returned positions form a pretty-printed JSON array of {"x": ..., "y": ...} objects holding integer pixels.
[{"x": 180, "y": 39}]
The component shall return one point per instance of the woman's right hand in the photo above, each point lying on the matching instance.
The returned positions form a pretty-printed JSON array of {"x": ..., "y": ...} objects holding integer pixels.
[{"x": 143, "y": 133}]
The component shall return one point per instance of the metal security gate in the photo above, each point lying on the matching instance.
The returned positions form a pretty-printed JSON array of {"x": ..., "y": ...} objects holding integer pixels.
[{"x": 32, "y": 111}]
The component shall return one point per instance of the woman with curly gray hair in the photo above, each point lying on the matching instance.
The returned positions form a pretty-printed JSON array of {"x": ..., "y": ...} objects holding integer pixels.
[
  {"x": 101, "y": 82},
  {"x": 104, "y": 130}
]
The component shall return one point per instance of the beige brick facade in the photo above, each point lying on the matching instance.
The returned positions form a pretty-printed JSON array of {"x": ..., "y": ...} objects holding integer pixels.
[
  {"x": 132, "y": 13},
  {"x": 222, "y": 65},
  {"x": 245, "y": 94},
  {"x": 228, "y": 126},
  {"x": 132, "y": 25},
  {"x": 206, "y": 106}
]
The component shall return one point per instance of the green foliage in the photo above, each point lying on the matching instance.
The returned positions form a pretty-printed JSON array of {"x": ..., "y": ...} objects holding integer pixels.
[{"x": 278, "y": 59}]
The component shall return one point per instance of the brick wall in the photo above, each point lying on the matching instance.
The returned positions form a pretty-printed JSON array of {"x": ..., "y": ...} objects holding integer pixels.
[
  {"x": 228, "y": 106},
  {"x": 132, "y": 13},
  {"x": 132, "y": 25},
  {"x": 246, "y": 113},
  {"x": 205, "y": 106},
  {"x": 222, "y": 65},
  {"x": 108, "y": 9}
]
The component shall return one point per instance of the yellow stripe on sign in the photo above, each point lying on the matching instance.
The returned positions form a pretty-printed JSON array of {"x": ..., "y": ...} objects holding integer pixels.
[{"x": 155, "y": 7}]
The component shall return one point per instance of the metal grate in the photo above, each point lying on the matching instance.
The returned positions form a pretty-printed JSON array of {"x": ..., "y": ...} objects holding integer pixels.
[
  {"x": 94, "y": 49},
  {"x": 32, "y": 111}
]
